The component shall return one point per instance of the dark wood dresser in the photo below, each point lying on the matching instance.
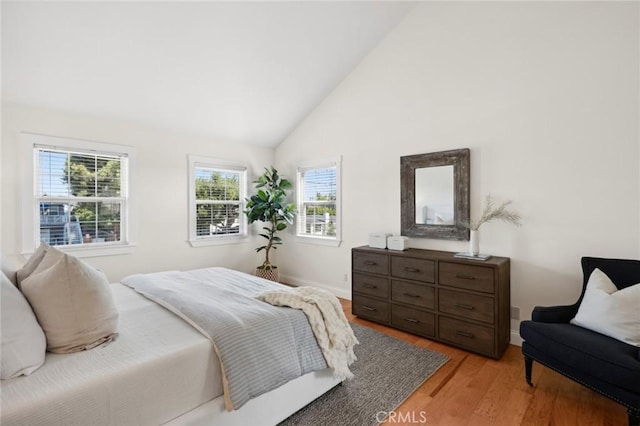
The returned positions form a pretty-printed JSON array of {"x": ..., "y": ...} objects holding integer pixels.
[{"x": 464, "y": 303}]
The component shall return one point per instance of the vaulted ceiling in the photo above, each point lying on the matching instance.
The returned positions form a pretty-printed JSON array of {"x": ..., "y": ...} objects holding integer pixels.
[{"x": 245, "y": 72}]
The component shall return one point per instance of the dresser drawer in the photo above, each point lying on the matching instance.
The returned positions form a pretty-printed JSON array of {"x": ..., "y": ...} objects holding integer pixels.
[
  {"x": 471, "y": 336},
  {"x": 460, "y": 302},
  {"x": 413, "y": 269},
  {"x": 466, "y": 305},
  {"x": 373, "y": 309},
  {"x": 371, "y": 262},
  {"x": 469, "y": 277},
  {"x": 413, "y": 320},
  {"x": 413, "y": 294},
  {"x": 371, "y": 285}
]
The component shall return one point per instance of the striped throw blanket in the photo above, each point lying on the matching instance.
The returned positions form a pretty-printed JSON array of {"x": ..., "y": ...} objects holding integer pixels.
[
  {"x": 260, "y": 346},
  {"x": 328, "y": 322}
]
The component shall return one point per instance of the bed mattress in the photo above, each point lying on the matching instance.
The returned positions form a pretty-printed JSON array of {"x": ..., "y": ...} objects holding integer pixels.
[{"x": 158, "y": 368}]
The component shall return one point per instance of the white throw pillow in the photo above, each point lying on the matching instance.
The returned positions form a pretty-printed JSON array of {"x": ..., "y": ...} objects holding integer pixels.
[
  {"x": 72, "y": 301},
  {"x": 23, "y": 342},
  {"x": 609, "y": 311},
  {"x": 10, "y": 266}
]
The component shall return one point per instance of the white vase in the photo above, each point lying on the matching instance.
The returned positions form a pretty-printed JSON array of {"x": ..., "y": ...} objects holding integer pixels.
[{"x": 474, "y": 243}]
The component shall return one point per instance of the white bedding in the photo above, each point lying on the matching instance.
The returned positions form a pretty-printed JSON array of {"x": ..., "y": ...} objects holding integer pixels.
[{"x": 157, "y": 369}]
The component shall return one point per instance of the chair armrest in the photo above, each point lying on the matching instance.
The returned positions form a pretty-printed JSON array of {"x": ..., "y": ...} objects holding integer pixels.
[{"x": 554, "y": 314}]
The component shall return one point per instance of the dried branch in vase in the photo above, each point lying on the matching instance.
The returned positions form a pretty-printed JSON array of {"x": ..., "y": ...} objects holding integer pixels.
[{"x": 491, "y": 212}]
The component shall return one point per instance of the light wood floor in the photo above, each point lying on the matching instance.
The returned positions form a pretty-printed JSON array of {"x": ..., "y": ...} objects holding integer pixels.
[{"x": 473, "y": 390}]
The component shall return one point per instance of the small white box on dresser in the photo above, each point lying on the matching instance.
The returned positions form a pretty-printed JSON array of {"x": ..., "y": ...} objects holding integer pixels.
[
  {"x": 398, "y": 243},
  {"x": 378, "y": 240}
]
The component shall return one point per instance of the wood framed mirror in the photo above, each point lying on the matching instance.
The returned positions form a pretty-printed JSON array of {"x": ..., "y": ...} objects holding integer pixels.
[{"x": 434, "y": 195}]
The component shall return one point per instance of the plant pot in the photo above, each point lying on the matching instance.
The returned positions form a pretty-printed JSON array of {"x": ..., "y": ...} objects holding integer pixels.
[{"x": 268, "y": 274}]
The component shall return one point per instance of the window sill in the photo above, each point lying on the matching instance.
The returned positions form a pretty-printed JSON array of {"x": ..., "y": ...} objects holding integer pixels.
[
  {"x": 320, "y": 241},
  {"x": 95, "y": 250},
  {"x": 218, "y": 241}
]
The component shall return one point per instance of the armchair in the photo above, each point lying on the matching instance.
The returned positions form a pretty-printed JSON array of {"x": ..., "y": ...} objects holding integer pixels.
[{"x": 601, "y": 363}]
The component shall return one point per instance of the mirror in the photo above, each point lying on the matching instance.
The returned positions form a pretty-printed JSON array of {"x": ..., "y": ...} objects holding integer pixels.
[
  {"x": 435, "y": 194},
  {"x": 434, "y": 200}
]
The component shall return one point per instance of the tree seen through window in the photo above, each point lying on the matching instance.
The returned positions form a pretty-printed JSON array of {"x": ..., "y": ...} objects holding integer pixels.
[{"x": 217, "y": 202}]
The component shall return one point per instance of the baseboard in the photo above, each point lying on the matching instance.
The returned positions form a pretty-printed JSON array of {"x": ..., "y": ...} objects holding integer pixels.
[
  {"x": 515, "y": 338},
  {"x": 338, "y": 292}
]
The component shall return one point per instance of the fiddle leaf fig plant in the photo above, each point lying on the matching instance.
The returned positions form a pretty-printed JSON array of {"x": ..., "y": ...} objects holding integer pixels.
[{"x": 268, "y": 206}]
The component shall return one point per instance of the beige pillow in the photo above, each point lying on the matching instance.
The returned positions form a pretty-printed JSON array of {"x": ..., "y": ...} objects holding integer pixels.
[
  {"x": 50, "y": 257},
  {"x": 32, "y": 263},
  {"x": 73, "y": 303},
  {"x": 23, "y": 344}
]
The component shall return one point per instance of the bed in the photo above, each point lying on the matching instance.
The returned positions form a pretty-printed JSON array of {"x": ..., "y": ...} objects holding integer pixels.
[{"x": 160, "y": 370}]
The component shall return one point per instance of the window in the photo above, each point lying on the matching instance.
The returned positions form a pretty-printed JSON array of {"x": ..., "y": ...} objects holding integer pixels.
[
  {"x": 318, "y": 201},
  {"x": 216, "y": 197},
  {"x": 80, "y": 195}
]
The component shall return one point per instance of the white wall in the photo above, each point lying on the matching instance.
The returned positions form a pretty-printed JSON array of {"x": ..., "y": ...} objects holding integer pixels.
[
  {"x": 545, "y": 94},
  {"x": 159, "y": 182}
]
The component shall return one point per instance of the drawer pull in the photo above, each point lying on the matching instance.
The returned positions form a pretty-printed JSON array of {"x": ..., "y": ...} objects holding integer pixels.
[
  {"x": 369, "y": 308},
  {"x": 370, "y": 262},
  {"x": 411, "y": 295},
  {"x": 465, "y": 334},
  {"x": 369, "y": 286},
  {"x": 463, "y": 306},
  {"x": 465, "y": 277},
  {"x": 411, "y": 269},
  {"x": 415, "y": 321}
]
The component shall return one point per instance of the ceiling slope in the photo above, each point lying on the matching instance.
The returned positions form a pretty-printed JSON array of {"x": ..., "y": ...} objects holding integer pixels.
[{"x": 246, "y": 72}]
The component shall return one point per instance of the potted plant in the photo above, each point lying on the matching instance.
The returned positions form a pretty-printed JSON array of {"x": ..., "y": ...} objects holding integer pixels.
[
  {"x": 268, "y": 206},
  {"x": 489, "y": 213}
]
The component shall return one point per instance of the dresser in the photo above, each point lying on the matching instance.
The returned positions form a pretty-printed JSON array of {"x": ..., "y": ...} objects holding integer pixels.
[{"x": 463, "y": 303}]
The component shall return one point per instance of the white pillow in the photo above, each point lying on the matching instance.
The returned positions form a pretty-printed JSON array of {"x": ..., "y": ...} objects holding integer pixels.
[
  {"x": 23, "y": 341},
  {"x": 609, "y": 311},
  {"x": 10, "y": 266},
  {"x": 72, "y": 301}
]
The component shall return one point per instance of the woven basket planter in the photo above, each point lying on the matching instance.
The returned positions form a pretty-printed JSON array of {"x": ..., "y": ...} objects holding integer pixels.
[{"x": 268, "y": 274}]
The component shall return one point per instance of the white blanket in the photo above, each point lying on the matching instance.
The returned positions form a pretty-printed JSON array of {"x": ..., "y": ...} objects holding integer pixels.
[{"x": 328, "y": 322}]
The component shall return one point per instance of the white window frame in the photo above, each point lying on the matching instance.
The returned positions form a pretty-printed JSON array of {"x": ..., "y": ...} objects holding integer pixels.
[
  {"x": 30, "y": 143},
  {"x": 221, "y": 165},
  {"x": 320, "y": 164}
]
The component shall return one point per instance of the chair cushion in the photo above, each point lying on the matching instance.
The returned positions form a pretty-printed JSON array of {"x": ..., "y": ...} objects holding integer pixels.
[{"x": 594, "y": 354}]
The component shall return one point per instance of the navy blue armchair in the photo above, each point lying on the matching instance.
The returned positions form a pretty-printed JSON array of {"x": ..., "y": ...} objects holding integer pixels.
[{"x": 603, "y": 364}]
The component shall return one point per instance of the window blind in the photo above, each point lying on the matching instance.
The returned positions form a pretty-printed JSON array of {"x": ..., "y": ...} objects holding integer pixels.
[
  {"x": 81, "y": 196},
  {"x": 218, "y": 201},
  {"x": 317, "y": 194}
]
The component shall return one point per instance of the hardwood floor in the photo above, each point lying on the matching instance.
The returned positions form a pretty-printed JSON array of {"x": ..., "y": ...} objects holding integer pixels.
[{"x": 473, "y": 390}]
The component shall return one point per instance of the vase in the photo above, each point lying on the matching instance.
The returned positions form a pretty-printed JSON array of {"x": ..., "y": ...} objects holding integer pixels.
[{"x": 474, "y": 243}]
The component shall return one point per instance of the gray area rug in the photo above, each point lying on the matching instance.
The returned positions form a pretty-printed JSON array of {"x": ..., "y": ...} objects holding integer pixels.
[{"x": 387, "y": 371}]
